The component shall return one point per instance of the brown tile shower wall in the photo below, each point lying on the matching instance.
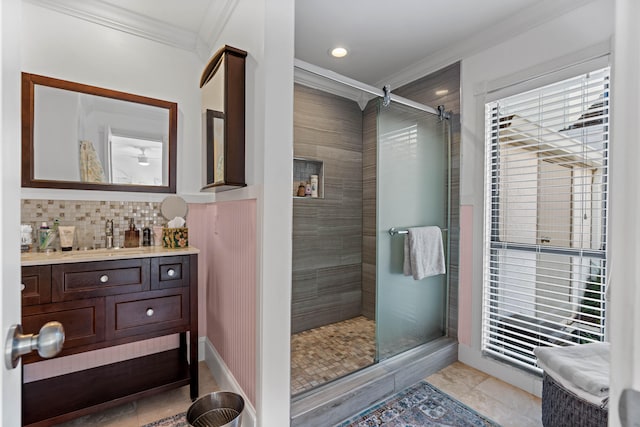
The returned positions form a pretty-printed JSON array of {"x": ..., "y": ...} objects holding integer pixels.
[
  {"x": 327, "y": 232},
  {"x": 89, "y": 217},
  {"x": 423, "y": 91}
]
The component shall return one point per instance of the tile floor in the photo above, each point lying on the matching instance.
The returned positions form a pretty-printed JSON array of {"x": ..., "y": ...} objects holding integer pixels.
[
  {"x": 503, "y": 403},
  {"x": 149, "y": 409},
  {"x": 323, "y": 354},
  {"x": 507, "y": 405}
]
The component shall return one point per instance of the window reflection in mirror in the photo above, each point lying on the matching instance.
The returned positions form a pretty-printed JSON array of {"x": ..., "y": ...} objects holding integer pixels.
[
  {"x": 79, "y": 136},
  {"x": 135, "y": 160}
]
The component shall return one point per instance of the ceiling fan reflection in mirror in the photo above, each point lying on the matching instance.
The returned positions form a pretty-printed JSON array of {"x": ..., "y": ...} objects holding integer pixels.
[{"x": 140, "y": 158}]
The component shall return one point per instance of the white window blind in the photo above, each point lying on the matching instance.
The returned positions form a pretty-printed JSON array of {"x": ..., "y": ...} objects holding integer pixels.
[{"x": 546, "y": 217}]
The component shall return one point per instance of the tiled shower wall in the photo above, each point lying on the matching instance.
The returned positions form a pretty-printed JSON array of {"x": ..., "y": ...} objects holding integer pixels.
[
  {"x": 327, "y": 232},
  {"x": 89, "y": 217},
  {"x": 423, "y": 91}
]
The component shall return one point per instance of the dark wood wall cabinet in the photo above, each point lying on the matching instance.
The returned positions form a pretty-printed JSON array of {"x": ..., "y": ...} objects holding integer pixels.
[
  {"x": 105, "y": 303},
  {"x": 223, "y": 112}
]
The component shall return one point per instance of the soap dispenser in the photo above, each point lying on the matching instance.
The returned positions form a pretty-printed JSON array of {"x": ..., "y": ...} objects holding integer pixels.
[
  {"x": 146, "y": 236},
  {"x": 131, "y": 236}
]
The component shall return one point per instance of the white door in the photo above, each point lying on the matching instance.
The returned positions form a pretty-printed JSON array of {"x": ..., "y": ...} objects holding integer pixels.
[
  {"x": 554, "y": 222},
  {"x": 10, "y": 22}
]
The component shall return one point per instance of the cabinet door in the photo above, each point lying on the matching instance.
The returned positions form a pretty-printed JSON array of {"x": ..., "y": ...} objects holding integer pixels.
[
  {"x": 169, "y": 272},
  {"x": 96, "y": 279},
  {"x": 83, "y": 322},
  {"x": 36, "y": 285}
]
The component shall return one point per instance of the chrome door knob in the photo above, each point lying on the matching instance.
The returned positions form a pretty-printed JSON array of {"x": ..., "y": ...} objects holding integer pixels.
[
  {"x": 149, "y": 312},
  {"x": 171, "y": 272},
  {"x": 104, "y": 278},
  {"x": 48, "y": 342}
]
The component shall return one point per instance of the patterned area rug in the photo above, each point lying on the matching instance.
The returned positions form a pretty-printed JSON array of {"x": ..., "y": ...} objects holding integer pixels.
[
  {"x": 178, "y": 420},
  {"x": 420, "y": 405}
]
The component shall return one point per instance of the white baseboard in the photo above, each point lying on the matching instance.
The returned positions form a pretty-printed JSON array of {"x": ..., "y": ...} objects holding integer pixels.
[
  {"x": 507, "y": 373},
  {"x": 201, "y": 351},
  {"x": 225, "y": 378}
]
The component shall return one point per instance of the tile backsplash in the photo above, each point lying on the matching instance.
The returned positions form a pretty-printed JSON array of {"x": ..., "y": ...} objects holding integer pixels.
[{"x": 89, "y": 217}]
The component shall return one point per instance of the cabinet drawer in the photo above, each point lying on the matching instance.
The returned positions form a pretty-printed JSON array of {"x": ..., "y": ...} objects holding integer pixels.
[
  {"x": 36, "y": 282},
  {"x": 96, "y": 279},
  {"x": 83, "y": 321},
  {"x": 147, "y": 313},
  {"x": 169, "y": 272}
]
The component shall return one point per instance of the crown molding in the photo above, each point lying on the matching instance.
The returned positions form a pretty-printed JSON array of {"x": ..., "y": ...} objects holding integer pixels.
[
  {"x": 107, "y": 15},
  {"x": 215, "y": 20},
  {"x": 314, "y": 81},
  {"x": 516, "y": 24},
  {"x": 123, "y": 20}
]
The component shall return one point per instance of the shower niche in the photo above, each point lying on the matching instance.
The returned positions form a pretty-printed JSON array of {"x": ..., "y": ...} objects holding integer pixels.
[{"x": 303, "y": 172}]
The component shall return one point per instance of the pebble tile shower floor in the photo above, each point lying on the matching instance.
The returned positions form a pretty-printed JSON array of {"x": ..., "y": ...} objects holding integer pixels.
[{"x": 323, "y": 354}]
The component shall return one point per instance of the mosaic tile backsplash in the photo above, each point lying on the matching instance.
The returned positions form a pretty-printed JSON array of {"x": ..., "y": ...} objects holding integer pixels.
[{"x": 89, "y": 217}]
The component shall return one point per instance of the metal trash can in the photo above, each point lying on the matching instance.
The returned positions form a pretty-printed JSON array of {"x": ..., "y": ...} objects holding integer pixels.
[{"x": 217, "y": 409}]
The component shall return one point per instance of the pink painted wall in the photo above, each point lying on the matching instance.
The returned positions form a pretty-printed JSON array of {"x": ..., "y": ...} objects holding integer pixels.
[
  {"x": 466, "y": 271},
  {"x": 225, "y": 233}
]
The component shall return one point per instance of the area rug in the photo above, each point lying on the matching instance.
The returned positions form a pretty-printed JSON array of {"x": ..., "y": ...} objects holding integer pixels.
[
  {"x": 178, "y": 420},
  {"x": 419, "y": 405}
]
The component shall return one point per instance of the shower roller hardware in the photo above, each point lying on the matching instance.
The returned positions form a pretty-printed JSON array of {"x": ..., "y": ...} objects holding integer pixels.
[
  {"x": 386, "y": 99},
  {"x": 385, "y": 93},
  {"x": 394, "y": 231}
]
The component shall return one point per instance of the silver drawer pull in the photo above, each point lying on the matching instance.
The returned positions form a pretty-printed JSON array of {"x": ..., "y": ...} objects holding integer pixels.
[
  {"x": 149, "y": 312},
  {"x": 171, "y": 272},
  {"x": 104, "y": 278},
  {"x": 22, "y": 287}
]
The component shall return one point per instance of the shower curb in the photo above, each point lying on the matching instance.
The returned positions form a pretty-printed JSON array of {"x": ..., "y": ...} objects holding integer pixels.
[{"x": 336, "y": 401}]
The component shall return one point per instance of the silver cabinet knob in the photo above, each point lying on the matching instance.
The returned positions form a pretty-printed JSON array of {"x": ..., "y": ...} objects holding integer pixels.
[
  {"x": 22, "y": 287},
  {"x": 104, "y": 278},
  {"x": 171, "y": 272},
  {"x": 48, "y": 342},
  {"x": 149, "y": 312}
]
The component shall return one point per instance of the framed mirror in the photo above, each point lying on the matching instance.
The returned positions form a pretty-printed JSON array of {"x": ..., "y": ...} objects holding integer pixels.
[
  {"x": 223, "y": 109},
  {"x": 83, "y": 137}
]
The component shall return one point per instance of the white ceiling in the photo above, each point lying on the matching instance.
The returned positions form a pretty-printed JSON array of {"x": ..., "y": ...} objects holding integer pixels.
[{"x": 389, "y": 42}]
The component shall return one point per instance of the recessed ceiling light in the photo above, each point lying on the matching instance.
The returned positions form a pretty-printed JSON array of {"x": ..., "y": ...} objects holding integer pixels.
[
  {"x": 442, "y": 92},
  {"x": 339, "y": 52}
]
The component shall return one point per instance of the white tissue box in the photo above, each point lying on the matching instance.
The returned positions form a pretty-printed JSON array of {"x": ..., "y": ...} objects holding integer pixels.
[{"x": 173, "y": 238}]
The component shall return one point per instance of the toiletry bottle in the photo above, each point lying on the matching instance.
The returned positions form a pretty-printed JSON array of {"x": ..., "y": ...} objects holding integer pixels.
[
  {"x": 131, "y": 236},
  {"x": 307, "y": 190},
  {"x": 43, "y": 236},
  {"x": 301, "y": 190},
  {"x": 146, "y": 236},
  {"x": 314, "y": 185}
]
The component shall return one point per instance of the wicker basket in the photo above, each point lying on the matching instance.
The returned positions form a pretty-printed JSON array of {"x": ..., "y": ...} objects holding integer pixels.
[{"x": 562, "y": 408}]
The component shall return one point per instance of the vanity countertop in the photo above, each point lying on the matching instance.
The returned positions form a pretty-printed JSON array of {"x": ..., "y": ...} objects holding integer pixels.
[{"x": 58, "y": 257}]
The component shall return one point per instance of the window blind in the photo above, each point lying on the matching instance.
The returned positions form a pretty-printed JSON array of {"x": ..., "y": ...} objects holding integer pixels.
[{"x": 546, "y": 218}]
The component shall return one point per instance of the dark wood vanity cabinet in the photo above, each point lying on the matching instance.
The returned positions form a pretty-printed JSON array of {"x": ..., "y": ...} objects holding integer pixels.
[{"x": 105, "y": 303}]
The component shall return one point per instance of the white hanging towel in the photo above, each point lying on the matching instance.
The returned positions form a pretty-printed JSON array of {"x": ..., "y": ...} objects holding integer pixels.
[{"x": 423, "y": 252}]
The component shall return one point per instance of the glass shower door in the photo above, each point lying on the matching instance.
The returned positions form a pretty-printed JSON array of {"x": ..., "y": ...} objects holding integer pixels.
[{"x": 412, "y": 181}]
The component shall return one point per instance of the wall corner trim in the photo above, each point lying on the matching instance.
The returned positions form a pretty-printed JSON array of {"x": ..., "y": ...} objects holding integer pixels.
[{"x": 226, "y": 380}]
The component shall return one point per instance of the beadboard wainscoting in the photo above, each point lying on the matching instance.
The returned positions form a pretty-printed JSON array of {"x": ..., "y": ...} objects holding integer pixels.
[{"x": 226, "y": 236}]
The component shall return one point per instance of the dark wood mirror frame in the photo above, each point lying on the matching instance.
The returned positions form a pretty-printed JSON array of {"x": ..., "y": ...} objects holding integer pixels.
[
  {"x": 29, "y": 81},
  {"x": 233, "y": 61}
]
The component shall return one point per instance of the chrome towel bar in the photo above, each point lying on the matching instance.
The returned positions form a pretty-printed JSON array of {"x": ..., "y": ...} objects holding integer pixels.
[{"x": 393, "y": 231}]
